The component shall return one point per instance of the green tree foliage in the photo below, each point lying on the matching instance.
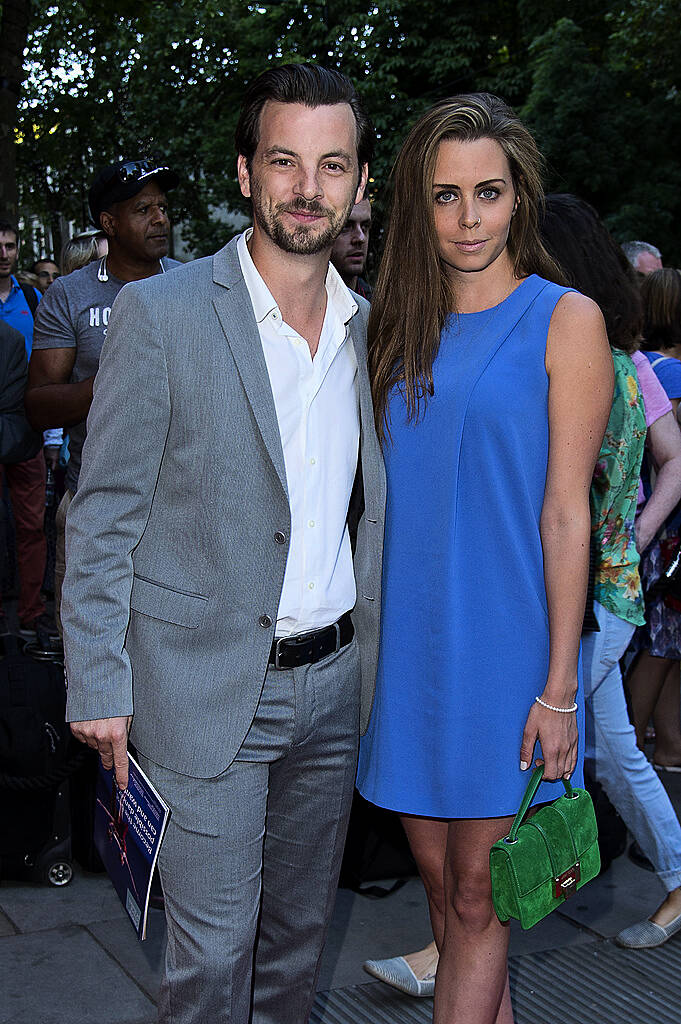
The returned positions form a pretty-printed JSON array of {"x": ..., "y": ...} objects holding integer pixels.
[
  {"x": 14, "y": 19},
  {"x": 167, "y": 80},
  {"x": 609, "y": 131}
]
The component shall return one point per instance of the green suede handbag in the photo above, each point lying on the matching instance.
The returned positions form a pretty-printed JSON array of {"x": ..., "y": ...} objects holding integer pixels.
[{"x": 544, "y": 861}]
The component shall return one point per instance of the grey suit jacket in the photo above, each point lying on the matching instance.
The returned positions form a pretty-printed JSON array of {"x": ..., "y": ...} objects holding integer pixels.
[{"x": 173, "y": 573}]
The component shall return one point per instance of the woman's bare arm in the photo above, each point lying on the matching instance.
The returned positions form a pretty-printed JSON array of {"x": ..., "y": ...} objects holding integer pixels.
[{"x": 580, "y": 369}]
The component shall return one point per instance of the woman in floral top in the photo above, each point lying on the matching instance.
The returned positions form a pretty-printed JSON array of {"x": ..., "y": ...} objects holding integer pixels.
[
  {"x": 614, "y": 497},
  {"x": 654, "y": 679},
  {"x": 580, "y": 242}
]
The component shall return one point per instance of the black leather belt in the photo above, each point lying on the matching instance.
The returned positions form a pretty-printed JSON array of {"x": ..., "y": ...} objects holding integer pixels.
[{"x": 306, "y": 648}]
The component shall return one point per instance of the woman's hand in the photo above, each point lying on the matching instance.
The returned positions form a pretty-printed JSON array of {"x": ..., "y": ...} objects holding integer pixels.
[{"x": 556, "y": 731}]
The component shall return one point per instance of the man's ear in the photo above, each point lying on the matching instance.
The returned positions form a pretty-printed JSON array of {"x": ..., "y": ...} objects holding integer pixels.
[
  {"x": 108, "y": 223},
  {"x": 363, "y": 178},
  {"x": 244, "y": 176}
]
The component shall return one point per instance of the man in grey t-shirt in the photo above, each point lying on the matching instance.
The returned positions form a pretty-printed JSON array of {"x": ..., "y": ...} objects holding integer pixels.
[{"x": 128, "y": 201}]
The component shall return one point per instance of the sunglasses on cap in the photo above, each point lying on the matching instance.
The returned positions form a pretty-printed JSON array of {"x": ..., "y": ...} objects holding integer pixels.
[{"x": 137, "y": 170}]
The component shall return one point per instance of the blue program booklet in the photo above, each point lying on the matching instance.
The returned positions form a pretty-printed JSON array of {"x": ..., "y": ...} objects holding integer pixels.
[{"x": 129, "y": 827}]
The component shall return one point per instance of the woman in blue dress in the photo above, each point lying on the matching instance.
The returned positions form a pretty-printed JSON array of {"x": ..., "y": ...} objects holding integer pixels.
[{"x": 492, "y": 388}]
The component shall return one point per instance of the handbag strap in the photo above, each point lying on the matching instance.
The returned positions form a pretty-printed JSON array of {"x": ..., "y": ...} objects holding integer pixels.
[{"x": 530, "y": 793}]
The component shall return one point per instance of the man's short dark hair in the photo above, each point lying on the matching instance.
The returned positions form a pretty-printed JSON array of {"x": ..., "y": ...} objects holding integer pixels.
[
  {"x": 309, "y": 84},
  {"x": 7, "y": 225},
  {"x": 43, "y": 259}
]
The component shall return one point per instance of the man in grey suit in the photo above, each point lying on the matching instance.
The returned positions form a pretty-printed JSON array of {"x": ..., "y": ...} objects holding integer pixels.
[{"x": 210, "y": 603}]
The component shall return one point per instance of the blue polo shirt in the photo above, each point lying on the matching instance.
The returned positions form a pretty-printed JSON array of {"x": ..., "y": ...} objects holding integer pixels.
[{"x": 15, "y": 312}]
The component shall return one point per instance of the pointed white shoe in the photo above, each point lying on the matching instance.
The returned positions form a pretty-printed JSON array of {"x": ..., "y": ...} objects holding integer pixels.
[{"x": 397, "y": 972}]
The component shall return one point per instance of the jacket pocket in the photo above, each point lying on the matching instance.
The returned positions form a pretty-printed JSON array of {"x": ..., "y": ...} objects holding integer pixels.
[{"x": 160, "y": 602}]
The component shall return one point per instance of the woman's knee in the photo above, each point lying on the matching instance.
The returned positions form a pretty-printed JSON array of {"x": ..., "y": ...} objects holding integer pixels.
[{"x": 469, "y": 895}]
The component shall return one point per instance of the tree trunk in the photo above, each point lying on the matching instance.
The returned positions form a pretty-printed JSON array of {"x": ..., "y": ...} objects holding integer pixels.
[{"x": 14, "y": 18}]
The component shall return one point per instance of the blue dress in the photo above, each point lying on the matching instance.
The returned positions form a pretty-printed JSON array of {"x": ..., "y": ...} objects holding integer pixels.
[{"x": 465, "y": 633}]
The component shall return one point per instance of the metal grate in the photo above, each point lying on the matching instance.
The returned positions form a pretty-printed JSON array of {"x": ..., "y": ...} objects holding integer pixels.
[
  {"x": 598, "y": 984},
  {"x": 591, "y": 983}
]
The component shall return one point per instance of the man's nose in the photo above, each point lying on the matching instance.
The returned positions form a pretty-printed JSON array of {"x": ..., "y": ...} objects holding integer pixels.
[{"x": 307, "y": 184}]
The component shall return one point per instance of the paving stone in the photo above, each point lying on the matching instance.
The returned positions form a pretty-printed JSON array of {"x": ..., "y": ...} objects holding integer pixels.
[
  {"x": 363, "y": 929},
  {"x": 34, "y": 907},
  {"x": 143, "y": 960},
  {"x": 62, "y": 976},
  {"x": 6, "y": 926}
]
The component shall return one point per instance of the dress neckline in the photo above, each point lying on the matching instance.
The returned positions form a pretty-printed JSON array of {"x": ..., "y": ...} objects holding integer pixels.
[{"x": 490, "y": 309}]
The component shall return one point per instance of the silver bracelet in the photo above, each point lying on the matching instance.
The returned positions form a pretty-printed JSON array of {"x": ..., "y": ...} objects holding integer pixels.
[{"x": 551, "y": 707}]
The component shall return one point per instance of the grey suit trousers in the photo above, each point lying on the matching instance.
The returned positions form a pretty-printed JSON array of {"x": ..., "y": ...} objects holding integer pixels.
[{"x": 250, "y": 862}]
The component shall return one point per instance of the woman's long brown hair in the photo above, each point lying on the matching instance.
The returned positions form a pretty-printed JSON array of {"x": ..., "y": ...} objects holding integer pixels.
[{"x": 413, "y": 294}]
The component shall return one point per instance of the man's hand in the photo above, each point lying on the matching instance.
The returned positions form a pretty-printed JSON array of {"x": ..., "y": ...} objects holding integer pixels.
[{"x": 109, "y": 737}]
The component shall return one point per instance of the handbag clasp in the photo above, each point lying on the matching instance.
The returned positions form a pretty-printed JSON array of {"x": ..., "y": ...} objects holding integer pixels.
[{"x": 565, "y": 885}]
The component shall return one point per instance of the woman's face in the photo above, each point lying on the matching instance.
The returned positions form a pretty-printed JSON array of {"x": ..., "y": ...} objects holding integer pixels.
[{"x": 474, "y": 200}]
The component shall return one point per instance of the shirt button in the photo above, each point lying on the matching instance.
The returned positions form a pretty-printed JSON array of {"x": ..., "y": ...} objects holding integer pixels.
[
  {"x": 313, "y": 462},
  {"x": 280, "y": 537},
  {"x": 310, "y": 586},
  {"x": 310, "y": 522},
  {"x": 265, "y": 621}
]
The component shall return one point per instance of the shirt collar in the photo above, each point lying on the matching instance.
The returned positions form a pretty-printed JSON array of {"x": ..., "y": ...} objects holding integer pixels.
[{"x": 262, "y": 299}]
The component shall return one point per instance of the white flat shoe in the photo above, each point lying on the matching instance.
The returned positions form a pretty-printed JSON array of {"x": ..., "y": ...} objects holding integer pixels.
[
  {"x": 397, "y": 972},
  {"x": 647, "y": 934}
]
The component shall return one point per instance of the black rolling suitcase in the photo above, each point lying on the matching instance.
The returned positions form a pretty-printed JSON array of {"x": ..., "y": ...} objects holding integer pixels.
[{"x": 37, "y": 756}]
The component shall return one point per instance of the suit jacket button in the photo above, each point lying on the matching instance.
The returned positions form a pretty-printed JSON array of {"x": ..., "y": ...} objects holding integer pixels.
[
  {"x": 280, "y": 537},
  {"x": 265, "y": 621}
]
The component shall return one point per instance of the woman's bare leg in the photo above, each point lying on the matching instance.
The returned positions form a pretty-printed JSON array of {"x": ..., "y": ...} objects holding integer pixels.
[
  {"x": 645, "y": 682},
  {"x": 667, "y": 719},
  {"x": 423, "y": 962},
  {"x": 428, "y": 843},
  {"x": 472, "y": 979}
]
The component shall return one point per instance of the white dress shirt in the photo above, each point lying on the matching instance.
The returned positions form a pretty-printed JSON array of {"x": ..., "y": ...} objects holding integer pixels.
[{"x": 317, "y": 406}]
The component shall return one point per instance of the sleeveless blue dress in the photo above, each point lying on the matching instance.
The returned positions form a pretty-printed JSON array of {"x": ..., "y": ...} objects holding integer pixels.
[{"x": 464, "y": 632}]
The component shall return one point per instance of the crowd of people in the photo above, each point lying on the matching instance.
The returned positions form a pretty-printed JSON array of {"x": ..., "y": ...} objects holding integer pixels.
[{"x": 297, "y": 510}]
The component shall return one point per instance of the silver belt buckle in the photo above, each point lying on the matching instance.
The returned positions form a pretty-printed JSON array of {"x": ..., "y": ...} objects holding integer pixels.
[
  {"x": 277, "y": 648},
  {"x": 338, "y": 637}
]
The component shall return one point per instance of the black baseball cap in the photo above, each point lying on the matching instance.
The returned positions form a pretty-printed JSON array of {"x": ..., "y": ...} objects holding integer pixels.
[{"x": 124, "y": 180}]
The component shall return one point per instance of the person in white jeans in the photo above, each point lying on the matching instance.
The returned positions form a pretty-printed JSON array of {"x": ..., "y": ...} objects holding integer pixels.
[
  {"x": 571, "y": 228},
  {"x": 626, "y": 774}
]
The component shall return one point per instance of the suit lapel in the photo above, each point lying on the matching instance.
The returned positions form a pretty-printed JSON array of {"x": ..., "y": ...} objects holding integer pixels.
[{"x": 232, "y": 304}]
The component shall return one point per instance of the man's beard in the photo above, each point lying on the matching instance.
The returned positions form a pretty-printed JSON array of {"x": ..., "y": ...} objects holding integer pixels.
[{"x": 304, "y": 239}]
